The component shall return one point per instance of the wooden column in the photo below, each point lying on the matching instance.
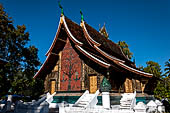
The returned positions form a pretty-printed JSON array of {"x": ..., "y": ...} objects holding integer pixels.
[{"x": 83, "y": 77}]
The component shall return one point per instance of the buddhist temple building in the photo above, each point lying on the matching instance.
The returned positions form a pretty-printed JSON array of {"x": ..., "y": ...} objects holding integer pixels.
[{"x": 80, "y": 58}]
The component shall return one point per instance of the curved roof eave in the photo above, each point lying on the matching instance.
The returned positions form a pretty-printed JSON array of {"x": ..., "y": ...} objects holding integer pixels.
[
  {"x": 134, "y": 70},
  {"x": 62, "y": 21},
  {"x": 98, "y": 61},
  {"x": 107, "y": 55},
  {"x": 98, "y": 35},
  {"x": 88, "y": 37},
  {"x": 48, "y": 57},
  {"x": 55, "y": 39},
  {"x": 96, "y": 44},
  {"x": 69, "y": 33}
]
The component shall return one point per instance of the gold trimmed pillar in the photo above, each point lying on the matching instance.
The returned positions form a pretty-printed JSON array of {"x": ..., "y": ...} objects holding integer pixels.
[{"x": 59, "y": 70}]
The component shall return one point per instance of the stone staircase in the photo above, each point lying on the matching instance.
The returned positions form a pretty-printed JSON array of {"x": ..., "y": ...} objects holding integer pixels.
[
  {"x": 84, "y": 101},
  {"x": 128, "y": 101},
  {"x": 87, "y": 100}
]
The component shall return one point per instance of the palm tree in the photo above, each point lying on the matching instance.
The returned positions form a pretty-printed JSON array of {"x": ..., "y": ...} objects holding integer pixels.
[{"x": 167, "y": 69}]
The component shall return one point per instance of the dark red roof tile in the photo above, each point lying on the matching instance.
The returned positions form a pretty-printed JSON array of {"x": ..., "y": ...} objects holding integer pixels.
[
  {"x": 106, "y": 44},
  {"x": 76, "y": 31}
]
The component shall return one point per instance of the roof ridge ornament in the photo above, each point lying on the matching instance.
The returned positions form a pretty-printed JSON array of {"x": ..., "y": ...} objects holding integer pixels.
[
  {"x": 103, "y": 31},
  {"x": 82, "y": 18},
  {"x": 62, "y": 12}
]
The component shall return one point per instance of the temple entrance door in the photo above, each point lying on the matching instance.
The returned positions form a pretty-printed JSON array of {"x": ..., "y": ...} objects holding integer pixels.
[
  {"x": 92, "y": 83},
  {"x": 128, "y": 86},
  {"x": 53, "y": 84}
]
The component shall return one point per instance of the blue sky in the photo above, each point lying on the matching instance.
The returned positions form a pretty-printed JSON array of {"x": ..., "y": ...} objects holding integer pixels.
[{"x": 143, "y": 24}]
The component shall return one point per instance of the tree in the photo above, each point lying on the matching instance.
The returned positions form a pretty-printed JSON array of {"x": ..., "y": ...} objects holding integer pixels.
[
  {"x": 167, "y": 69},
  {"x": 153, "y": 68},
  {"x": 125, "y": 48},
  {"x": 162, "y": 91},
  {"x": 17, "y": 74},
  {"x": 161, "y": 84}
]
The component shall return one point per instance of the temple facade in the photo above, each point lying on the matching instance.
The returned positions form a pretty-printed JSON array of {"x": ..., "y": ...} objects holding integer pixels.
[{"x": 80, "y": 57}]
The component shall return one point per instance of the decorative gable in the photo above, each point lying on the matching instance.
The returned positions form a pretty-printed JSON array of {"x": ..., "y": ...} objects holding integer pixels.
[{"x": 70, "y": 69}]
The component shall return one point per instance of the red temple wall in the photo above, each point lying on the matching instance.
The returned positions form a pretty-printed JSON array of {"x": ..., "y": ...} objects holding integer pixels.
[{"x": 70, "y": 69}]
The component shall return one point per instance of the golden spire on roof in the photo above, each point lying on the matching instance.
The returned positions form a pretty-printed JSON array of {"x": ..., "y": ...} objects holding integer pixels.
[{"x": 103, "y": 31}]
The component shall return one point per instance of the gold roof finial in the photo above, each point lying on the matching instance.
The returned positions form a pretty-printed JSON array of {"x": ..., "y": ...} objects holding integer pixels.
[{"x": 103, "y": 31}]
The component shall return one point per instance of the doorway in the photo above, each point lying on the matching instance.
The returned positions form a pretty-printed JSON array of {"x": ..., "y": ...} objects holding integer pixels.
[
  {"x": 92, "y": 83},
  {"x": 52, "y": 87},
  {"x": 128, "y": 86}
]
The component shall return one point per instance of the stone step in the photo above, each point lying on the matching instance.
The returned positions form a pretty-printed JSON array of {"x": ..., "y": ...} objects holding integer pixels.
[
  {"x": 87, "y": 97},
  {"x": 80, "y": 105},
  {"x": 124, "y": 107},
  {"x": 126, "y": 100},
  {"x": 125, "y": 103},
  {"x": 85, "y": 100},
  {"x": 83, "y": 103}
]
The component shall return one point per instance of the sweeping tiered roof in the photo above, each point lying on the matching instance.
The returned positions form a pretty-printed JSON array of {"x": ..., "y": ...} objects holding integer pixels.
[{"x": 90, "y": 43}]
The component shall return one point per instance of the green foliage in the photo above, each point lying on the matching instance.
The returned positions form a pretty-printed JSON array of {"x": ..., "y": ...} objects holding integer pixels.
[
  {"x": 163, "y": 87},
  {"x": 167, "y": 69},
  {"x": 153, "y": 68},
  {"x": 23, "y": 61},
  {"x": 125, "y": 48},
  {"x": 162, "y": 90}
]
